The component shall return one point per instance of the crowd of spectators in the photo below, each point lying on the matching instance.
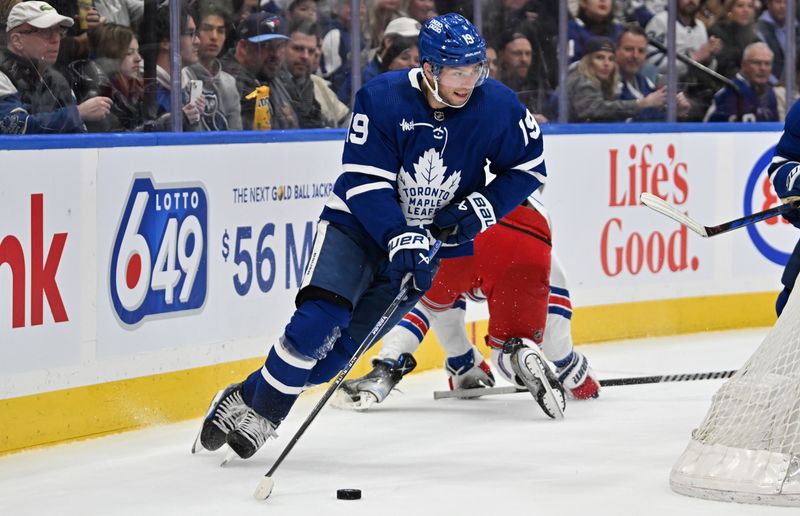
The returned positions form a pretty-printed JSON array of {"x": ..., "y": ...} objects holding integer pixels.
[{"x": 77, "y": 65}]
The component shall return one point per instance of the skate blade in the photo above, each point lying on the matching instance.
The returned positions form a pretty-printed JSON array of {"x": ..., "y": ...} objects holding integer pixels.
[
  {"x": 196, "y": 446},
  {"x": 229, "y": 457},
  {"x": 542, "y": 391}
]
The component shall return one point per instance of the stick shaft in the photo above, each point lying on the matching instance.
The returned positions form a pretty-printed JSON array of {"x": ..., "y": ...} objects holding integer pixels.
[
  {"x": 365, "y": 345},
  {"x": 613, "y": 382},
  {"x": 665, "y": 208}
]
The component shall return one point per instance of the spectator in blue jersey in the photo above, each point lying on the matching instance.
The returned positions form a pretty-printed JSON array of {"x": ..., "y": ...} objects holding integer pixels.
[
  {"x": 593, "y": 88},
  {"x": 642, "y": 11},
  {"x": 595, "y": 19},
  {"x": 34, "y": 97},
  {"x": 189, "y": 46},
  {"x": 635, "y": 82},
  {"x": 413, "y": 163},
  {"x": 783, "y": 171},
  {"x": 758, "y": 102}
]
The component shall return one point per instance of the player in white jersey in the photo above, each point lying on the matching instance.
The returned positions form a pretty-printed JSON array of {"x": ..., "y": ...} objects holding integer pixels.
[
  {"x": 514, "y": 312},
  {"x": 413, "y": 163}
]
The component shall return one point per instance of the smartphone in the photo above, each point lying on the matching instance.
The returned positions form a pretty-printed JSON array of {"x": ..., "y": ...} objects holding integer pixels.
[{"x": 195, "y": 90}]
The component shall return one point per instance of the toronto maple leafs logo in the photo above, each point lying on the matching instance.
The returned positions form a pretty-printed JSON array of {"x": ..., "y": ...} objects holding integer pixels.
[{"x": 426, "y": 191}]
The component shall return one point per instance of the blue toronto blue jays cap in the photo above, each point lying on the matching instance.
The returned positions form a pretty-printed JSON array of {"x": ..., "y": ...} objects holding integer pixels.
[{"x": 260, "y": 26}]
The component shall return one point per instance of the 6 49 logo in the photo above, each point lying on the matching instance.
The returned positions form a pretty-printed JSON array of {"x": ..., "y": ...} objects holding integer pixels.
[{"x": 159, "y": 258}]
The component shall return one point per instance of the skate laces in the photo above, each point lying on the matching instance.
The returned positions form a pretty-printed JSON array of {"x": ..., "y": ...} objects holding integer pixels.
[
  {"x": 229, "y": 411},
  {"x": 256, "y": 429}
]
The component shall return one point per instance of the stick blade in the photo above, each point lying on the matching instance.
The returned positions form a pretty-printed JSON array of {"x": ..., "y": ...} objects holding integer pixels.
[
  {"x": 264, "y": 488},
  {"x": 665, "y": 208}
]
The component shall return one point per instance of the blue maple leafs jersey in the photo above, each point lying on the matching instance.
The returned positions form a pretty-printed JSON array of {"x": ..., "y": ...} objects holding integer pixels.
[
  {"x": 787, "y": 155},
  {"x": 403, "y": 161}
]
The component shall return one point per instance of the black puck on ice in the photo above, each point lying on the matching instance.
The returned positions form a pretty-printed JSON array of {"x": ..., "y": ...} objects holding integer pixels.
[{"x": 348, "y": 494}]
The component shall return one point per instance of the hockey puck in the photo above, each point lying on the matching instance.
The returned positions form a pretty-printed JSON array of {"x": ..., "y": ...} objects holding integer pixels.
[{"x": 348, "y": 494}]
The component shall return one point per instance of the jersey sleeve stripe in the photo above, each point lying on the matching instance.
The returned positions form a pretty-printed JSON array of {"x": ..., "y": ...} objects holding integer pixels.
[
  {"x": 370, "y": 171},
  {"x": 778, "y": 159},
  {"x": 336, "y": 203},
  {"x": 539, "y": 177},
  {"x": 358, "y": 190},
  {"x": 529, "y": 165}
]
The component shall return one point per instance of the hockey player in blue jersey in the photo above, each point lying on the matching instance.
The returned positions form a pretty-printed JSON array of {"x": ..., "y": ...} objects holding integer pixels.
[
  {"x": 784, "y": 172},
  {"x": 412, "y": 166}
]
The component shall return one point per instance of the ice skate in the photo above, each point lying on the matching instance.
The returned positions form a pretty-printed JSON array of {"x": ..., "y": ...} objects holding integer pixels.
[
  {"x": 224, "y": 413},
  {"x": 535, "y": 374},
  {"x": 362, "y": 393},
  {"x": 468, "y": 371},
  {"x": 250, "y": 434}
]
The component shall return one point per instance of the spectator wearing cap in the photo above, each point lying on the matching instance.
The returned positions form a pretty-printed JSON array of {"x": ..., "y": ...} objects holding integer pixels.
[
  {"x": 296, "y": 74},
  {"x": 189, "y": 45},
  {"x": 222, "y": 110},
  {"x": 595, "y": 19},
  {"x": 515, "y": 70},
  {"x": 593, "y": 87},
  {"x": 401, "y": 33},
  {"x": 335, "y": 64},
  {"x": 759, "y": 102},
  {"x": 258, "y": 40},
  {"x": 34, "y": 97}
]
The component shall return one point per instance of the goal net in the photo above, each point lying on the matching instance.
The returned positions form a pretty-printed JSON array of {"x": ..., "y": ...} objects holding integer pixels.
[{"x": 747, "y": 448}]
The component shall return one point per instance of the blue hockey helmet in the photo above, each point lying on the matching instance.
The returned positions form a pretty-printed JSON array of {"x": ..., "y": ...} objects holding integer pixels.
[{"x": 451, "y": 40}]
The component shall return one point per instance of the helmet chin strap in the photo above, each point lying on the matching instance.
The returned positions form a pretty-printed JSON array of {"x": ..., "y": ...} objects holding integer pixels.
[{"x": 435, "y": 91}]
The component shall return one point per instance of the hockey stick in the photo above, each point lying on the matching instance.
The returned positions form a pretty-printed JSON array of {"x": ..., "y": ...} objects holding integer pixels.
[
  {"x": 635, "y": 380},
  {"x": 665, "y": 208},
  {"x": 266, "y": 485}
]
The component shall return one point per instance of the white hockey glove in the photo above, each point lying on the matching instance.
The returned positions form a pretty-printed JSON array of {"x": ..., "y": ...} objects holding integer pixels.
[
  {"x": 468, "y": 371},
  {"x": 579, "y": 378}
]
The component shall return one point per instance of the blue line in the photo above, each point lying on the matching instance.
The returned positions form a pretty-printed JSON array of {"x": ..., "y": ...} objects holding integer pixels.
[{"x": 96, "y": 141}]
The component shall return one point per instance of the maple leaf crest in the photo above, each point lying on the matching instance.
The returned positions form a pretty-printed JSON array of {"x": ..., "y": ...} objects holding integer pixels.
[{"x": 427, "y": 190}]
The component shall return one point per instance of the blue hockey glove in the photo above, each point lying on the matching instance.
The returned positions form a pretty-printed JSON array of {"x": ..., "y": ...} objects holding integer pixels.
[
  {"x": 464, "y": 220},
  {"x": 786, "y": 181},
  {"x": 408, "y": 253}
]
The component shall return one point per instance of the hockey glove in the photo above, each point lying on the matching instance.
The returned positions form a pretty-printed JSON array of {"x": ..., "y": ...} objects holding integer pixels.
[
  {"x": 786, "y": 181},
  {"x": 464, "y": 220},
  {"x": 408, "y": 254}
]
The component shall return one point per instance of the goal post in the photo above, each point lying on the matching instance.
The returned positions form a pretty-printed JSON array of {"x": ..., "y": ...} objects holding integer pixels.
[{"x": 747, "y": 449}]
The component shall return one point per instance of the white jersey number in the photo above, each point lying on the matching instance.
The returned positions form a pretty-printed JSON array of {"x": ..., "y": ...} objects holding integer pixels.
[
  {"x": 530, "y": 129},
  {"x": 359, "y": 129}
]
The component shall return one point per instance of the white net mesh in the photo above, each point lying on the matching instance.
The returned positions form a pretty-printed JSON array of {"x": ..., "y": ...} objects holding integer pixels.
[{"x": 747, "y": 448}]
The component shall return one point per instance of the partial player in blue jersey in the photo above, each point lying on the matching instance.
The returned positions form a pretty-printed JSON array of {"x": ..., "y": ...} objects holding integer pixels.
[
  {"x": 412, "y": 167},
  {"x": 784, "y": 172}
]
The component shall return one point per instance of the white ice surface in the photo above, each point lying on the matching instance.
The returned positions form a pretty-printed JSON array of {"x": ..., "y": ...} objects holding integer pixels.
[{"x": 413, "y": 456}]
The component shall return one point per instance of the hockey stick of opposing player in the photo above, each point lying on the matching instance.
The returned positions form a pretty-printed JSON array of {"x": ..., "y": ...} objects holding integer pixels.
[
  {"x": 613, "y": 382},
  {"x": 266, "y": 485},
  {"x": 665, "y": 208}
]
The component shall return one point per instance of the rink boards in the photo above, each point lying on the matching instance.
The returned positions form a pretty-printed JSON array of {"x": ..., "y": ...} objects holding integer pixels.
[{"x": 139, "y": 275}]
